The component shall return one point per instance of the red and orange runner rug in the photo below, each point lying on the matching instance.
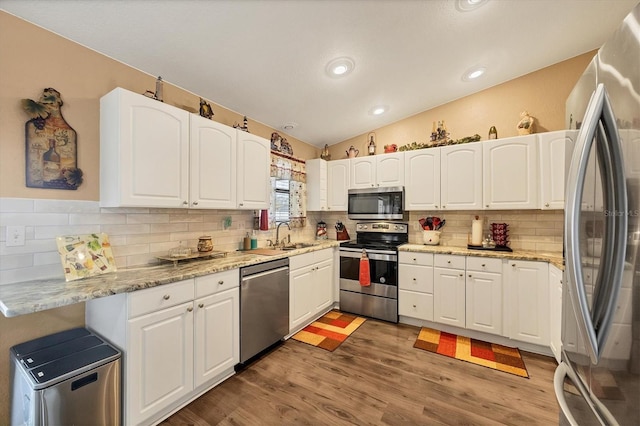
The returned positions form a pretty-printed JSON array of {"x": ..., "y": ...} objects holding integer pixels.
[
  {"x": 330, "y": 330},
  {"x": 478, "y": 352}
]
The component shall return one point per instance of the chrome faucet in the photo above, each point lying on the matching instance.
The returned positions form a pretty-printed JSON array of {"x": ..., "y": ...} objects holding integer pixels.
[{"x": 277, "y": 242}]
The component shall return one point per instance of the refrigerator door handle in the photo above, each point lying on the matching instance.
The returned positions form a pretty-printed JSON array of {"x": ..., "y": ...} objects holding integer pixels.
[
  {"x": 558, "y": 386},
  {"x": 598, "y": 118},
  {"x": 616, "y": 206}
]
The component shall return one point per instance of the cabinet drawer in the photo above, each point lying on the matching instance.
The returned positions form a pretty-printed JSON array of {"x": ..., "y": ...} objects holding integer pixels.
[
  {"x": 308, "y": 259},
  {"x": 412, "y": 258},
  {"x": 415, "y": 305},
  {"x": 415, "y": 278},
  {"x": 449, "y": 261},
  {"x": 484, "y": 264},
  {"x": 215, "y": 283},
  {"x": 161, "y": 297}
]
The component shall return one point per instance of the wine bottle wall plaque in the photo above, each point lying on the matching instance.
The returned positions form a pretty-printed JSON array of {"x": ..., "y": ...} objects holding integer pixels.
[{"x": 51, "y": 145}]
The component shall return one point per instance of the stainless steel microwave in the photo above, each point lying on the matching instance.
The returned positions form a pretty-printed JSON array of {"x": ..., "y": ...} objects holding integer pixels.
[{"x": 376, "y": 203}]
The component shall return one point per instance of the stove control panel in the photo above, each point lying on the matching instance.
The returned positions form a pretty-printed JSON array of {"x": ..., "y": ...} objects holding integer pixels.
[{"x": 391, "y": 227}]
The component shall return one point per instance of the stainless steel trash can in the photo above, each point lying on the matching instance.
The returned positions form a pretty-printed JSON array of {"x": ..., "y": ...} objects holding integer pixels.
[{"x": 67, "y": 378}]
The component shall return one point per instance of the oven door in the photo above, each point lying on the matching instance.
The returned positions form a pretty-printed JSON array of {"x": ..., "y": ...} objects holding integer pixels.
[
  {"x": 376, "y": 204},
  {"x": 380, "y": 299}
]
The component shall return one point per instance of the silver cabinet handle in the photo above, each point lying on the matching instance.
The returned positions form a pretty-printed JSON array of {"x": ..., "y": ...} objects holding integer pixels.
[
  {"x": 414, "y": 278},
  {"x": 448, "y": 261},
  {"x": 201, "y": 305},
  {"x": 461, "y": 275},
  {"x": 166, "y": 297},
  {"x": 190, "y": 309},
  {"x": 483, "y": 265},
  {"x": 414, "y": 306},
  {"x": 241, "y": 204},
  {"x": 185, "y": 203},
  {"x": 546, "y": 204},
  {"x": 513, "y": 264},
  {"x": 469, "y": 275},
  {"x": 487, "y": 205},
  {"x": 220, "y": 282},
  {"x": 415, "y": 260},
  {"x": 195, "y": 203},
  {"x": 436, "y": 207}
]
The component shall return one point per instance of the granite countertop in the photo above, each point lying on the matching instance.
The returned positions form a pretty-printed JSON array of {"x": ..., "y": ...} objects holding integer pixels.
[
  {"x": 38, "y": 295},
  {"x": 555, "y": 258}
]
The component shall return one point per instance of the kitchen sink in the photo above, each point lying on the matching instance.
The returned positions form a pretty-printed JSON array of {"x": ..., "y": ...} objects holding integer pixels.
[{"x": 299, "y": 246}]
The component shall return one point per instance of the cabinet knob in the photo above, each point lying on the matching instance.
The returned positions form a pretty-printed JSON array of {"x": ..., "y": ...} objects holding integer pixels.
[
  {"x": 241, "y": 204},
  {"x": 546, "y": 204},
  {"x": 513, "y": 264},
  {"x": 414, "y": 306},
  {"x": 436, "y": 207},
  {"x": 414, "y": 278},
  {"x": 415, "y": 260},
  {"x": 220, "y": 282},
  {"x": 448, "y": 261},
  {"x": 200, "y": 305},
  {"x": 487, "y": 206},
  {"x": 483, "y": 265},
  {"x": 166, "y": 297},
  {"x": 190, "y": 309},
  {"x": 469, "y": 275},
  {"x": 444, "y": 207},
  {"x": 195, "y": 203},
  {"x": 185, "y": 203},
  {"x": 461, "y": 275}
]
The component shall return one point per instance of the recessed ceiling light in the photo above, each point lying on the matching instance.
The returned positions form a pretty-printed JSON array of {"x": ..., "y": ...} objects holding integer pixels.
[
  {"x": 289, "y": 126},
  {"x": 378, "y": 110},
  {"x": 473, "y": 73},
  {"x": 469, "y": 5},
  {"x": 340, "y": 67}
]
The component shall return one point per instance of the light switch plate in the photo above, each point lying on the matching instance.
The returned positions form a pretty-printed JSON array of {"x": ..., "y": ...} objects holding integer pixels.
[{"x": 15, "y": 236}]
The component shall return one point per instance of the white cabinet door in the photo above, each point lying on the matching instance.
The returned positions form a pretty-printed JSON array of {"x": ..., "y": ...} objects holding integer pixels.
[
  {"x": 363, "y": 172},
  {"x": 323, "y": 286},
  {"x": 461, "y": 177},
  {"x": 449, "y": 296},
  {"x": 254, "y": 162},
  {"x": 510, "y": 169},
  {"x": 390, "y": 169},
  {"x": 484, "y": 302},
  {"x": 415, "y": 304},
  {"x": 316, "y": 185},
  {"x": 213, "y": 164},
  {"x": 217, "y": 335},
  {"x": 338, "y": 177},
  {"x": 555, "y": 152},
  {"x": 527, "y": 285},
  {"x": 300, "y": 296},
  {"x": 422, "y": 179},
  {"x": 555, "y": 310},
  {"x": 144, "y": 152},
  {"x": 159, "y": 361}
]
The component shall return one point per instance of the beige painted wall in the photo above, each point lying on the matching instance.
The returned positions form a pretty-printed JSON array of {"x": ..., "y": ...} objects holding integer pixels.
[
  {"x": 35, "y": 59},
  {"x": 542, "y": 93}
]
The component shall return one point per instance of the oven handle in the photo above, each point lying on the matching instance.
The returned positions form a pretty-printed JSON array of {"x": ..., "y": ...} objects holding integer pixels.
[{"x": 372, "y": 256}]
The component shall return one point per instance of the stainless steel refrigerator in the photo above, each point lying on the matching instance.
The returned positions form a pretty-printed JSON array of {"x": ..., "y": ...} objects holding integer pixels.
[{"x": 597, "y": 380}]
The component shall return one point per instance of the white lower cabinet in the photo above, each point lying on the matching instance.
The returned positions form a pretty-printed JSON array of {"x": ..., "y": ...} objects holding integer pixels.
[
  {"x": 449, "y": 290},
  {"x": 415, "y": 285},
  {"x": 484, "y": 295},
  {"x": 310, "y": 287},
  {"x": 527, "y": 293},
  {"x": 555, "y": 311},
  {"x": 177, "y": 339}
]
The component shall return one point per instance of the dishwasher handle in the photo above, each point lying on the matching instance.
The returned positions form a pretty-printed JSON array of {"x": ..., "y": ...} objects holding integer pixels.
[{"x": 262, "y": 274}]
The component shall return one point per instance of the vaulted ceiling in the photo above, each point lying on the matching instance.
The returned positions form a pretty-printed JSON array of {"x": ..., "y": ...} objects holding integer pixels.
[{"x": 268, "y": 59}]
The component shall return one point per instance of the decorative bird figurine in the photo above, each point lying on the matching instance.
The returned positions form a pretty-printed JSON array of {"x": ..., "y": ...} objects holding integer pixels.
[{"x": 205, "y": 109}]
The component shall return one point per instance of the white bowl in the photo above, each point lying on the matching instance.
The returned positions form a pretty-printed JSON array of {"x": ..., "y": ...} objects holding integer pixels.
[{"x": 431, "y": 238}]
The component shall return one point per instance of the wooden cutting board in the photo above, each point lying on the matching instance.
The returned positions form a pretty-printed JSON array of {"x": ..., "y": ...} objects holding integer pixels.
[{"x": 266, "y": 252}]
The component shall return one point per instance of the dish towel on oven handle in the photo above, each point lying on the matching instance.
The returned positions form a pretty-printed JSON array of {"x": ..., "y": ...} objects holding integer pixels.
[{"x": 365, "y": 270}]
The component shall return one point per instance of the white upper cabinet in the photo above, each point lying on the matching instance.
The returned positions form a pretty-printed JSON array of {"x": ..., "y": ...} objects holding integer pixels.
[
  {"x": 422, "y": 179},
  {"x": 555, "y": 154},
  {"x": 510, "y": 168},
  {"x": 316, "y": 185},
  {"x": 338, "y": 175},
  {"x": 253, "y": 174},
  {"x": 213, "y": 164},
  {"x": 378, "y": 170},
  {"x": 461, "y": 177},
  {"x": 144, "y": 152}
]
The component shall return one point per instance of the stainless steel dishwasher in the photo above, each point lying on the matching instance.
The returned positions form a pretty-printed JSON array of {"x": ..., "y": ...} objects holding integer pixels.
[{"x": 264, "y": 306}]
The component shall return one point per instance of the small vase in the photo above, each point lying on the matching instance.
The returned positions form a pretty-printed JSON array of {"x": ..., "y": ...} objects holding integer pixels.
[{"x": 431, "y": 238}]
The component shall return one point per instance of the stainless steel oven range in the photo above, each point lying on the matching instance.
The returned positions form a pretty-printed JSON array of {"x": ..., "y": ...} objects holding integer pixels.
[{"x": 380, "y": 299}]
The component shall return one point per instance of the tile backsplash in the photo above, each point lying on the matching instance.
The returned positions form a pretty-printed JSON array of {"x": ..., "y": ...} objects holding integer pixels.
[{"x": 138, "y": 234}]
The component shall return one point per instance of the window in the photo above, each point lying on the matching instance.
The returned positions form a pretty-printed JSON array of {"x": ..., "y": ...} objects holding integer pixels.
[{"x": 281, "y": 201}]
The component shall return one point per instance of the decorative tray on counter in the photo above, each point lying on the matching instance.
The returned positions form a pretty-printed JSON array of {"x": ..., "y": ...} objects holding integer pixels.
[
  {"x": 195, "y": 254},
  {"x": 495, "y": 248}
]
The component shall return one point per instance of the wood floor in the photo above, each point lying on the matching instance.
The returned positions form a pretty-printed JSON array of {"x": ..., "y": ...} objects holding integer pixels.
[{"x": 376, "y": 377}]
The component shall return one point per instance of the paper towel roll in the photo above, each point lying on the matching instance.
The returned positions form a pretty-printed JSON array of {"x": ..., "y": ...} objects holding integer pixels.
[{"x": 476, "y": 232}]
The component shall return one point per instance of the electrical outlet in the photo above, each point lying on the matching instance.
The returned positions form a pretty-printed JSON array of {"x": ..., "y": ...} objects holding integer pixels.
[{"x": 15, "y": 236}]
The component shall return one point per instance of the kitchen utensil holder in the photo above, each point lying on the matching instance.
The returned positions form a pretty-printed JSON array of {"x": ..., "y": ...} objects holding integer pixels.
[{"x": 431, "y": 238}]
